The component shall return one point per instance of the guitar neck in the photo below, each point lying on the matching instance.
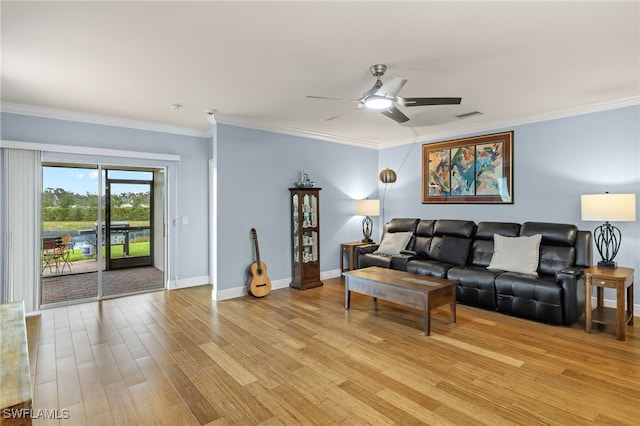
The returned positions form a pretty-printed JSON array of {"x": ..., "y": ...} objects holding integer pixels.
[{"x": 255, "y": 242}]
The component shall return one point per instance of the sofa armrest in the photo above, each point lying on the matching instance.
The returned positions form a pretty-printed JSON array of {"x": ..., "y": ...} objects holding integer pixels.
[
  {"x": 573, "y": 289},
  {"x": 576, "y": 272},
  {"x": 399, "y": 261},
  {"x": 361, "y": 251},
  {"x": 366, "y": 249}
]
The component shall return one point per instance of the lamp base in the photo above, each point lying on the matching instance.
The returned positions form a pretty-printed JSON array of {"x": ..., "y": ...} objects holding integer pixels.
[
  {"x": 610, "y": 264},
  {"x": 367, "y": 227}
]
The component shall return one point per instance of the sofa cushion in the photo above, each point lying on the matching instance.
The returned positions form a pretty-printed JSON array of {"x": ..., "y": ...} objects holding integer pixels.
[
  {"x": 481, "y": 252},
  {"x": 475, "y": 285},
  {"x": 422, "y": 245},
  {"x": 402, "y": 225},
  {"x": 526, "y": 296},
  {"x": 427, "y": 267},
  {"x": 454, "y": 250},
  {"x": 393, "y": 242},
  {"x": 553, "y": 259},
  {"x": 423, "y": 237},
  {"x": 516, "y": 254},
  {"x": 557, "y": 234},
  {"x": 486, "y": 230},
  {"x": 455, "y": 228}
]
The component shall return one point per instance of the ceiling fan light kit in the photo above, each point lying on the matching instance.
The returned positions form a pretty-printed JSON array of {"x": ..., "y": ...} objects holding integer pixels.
[
  {"x": 383, "y": 96},
  {"x": 377, "y": 102}
]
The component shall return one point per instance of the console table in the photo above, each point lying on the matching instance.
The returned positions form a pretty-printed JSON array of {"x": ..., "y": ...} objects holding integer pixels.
[{"x": 618, "y": 279}]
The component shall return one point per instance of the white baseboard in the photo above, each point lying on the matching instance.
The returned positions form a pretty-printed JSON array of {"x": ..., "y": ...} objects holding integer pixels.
[
  {"x": 240, "y": 291},
  {"x": 334, "y": 273},
  {"x": 232, "y": 293},
  {"x": 188, "y": 282}
]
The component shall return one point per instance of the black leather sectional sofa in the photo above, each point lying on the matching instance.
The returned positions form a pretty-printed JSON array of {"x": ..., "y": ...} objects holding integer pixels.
[{"x": 461, "y": 250}]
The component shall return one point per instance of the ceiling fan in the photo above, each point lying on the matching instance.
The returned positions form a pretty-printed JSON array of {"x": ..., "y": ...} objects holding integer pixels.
[{"x": 383, "y": 96}]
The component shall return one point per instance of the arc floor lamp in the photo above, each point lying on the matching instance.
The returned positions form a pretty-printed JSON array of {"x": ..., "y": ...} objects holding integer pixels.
[{"x": 387, "y": 176}]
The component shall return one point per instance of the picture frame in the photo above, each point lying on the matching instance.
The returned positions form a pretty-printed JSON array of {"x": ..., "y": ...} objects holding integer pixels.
[{"x": 476, "y": 170}]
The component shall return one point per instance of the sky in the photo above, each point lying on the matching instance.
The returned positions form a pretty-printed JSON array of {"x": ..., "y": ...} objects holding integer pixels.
[{"x": 81, "y": 181}]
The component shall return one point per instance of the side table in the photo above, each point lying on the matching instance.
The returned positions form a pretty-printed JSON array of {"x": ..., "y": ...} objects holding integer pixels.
[
  {"x": 619, "y": 279},
  {"x": 350, "y": 249}
]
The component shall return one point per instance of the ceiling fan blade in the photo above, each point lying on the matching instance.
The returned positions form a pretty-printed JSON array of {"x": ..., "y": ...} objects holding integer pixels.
[
  {"x": 395, "y": 114},
  {"x": 333, "y": 117},
  {"x": 391, "y": 87},
  {"x": 332, "y": 99},
  {"x": 411, "y": 102}
]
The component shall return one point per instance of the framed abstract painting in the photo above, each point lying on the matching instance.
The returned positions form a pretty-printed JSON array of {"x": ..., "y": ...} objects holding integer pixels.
[{"x": 470, "y": 170}]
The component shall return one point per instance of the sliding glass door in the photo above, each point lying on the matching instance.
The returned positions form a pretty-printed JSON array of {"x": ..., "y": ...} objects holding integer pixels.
[
  {"x": 102, "y": 231},
  {"x": 70, "y": 209}
]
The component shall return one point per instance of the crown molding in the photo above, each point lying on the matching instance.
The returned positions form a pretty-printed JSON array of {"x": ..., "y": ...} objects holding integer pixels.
[
  {"x": 292, "y": 131},
  {"x": 156, "y": 127},
  {"x": 82, "y": 117},
  {"x": 446, "y": 131}
]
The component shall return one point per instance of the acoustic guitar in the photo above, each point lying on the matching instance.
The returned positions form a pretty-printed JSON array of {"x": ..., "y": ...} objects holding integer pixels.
[{"x": 260, "y": 284}]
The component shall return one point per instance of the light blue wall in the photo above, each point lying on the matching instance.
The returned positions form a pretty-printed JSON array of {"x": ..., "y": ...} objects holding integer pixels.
[
  {"x": 188, "y": 187},
  {"x": 555, "y": 162},
  {"x": 255, "y": 170}
]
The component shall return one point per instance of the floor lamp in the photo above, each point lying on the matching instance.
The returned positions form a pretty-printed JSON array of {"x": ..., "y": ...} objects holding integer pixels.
[
  {"x": 604, "y": 208},
  {"x": 386, "y": 176}
]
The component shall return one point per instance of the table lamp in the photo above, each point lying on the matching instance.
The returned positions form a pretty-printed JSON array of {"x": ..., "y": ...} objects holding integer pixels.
[
  {"x": 605, "y": 208},
  {"x": 367, "y": 208}
]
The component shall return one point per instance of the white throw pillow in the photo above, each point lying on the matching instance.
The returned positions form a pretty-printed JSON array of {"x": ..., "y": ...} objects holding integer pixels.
[
  {"x": 516, "y": 254},
  {"x": 393, "y": 242}
]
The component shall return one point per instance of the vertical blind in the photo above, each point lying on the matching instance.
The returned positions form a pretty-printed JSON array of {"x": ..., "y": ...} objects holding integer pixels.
[{"x": 22, "y": 182}]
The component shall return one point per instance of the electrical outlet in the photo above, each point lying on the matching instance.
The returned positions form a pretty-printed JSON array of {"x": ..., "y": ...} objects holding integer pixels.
[{"x": 185, "y": 220}]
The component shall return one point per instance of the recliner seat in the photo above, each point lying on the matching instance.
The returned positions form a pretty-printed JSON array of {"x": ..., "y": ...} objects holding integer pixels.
[{"x": 476, "y": 283}]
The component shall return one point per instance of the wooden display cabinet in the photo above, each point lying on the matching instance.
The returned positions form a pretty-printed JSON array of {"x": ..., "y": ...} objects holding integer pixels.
[{"x": 305, "y": 238}]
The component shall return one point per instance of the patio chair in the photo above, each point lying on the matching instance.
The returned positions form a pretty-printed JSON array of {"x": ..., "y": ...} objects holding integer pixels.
[
  {"x": 64, "y": 250},
  {"x": 50, "y": 253}
]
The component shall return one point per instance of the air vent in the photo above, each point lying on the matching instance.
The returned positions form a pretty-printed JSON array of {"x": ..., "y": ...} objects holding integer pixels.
[{"x": 468, "y": 114}]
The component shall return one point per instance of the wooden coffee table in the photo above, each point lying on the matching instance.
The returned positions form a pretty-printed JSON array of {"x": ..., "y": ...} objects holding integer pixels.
[{"x": 416, "y": 291}]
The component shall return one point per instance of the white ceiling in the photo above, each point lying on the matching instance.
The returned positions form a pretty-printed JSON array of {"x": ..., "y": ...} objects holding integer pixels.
[{"x": 255, "y": 62}]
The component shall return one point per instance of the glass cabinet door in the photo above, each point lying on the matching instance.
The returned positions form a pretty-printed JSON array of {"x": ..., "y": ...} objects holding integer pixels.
[
  {"x": 295, "y": 229},
  {"x": 310, "y": 220}
]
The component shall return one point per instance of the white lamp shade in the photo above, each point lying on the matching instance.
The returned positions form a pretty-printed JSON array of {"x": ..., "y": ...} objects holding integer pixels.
[
  {"x": 608, "y": 207},
  {"x": 368, "y": 207}
]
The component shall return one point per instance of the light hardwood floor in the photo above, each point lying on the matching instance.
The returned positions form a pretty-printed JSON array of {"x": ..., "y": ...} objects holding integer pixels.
[{"x": 297, "y": 357}]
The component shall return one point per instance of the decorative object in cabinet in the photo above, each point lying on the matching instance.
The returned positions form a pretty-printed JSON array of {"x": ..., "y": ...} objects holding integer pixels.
[{"x": 305, "y": 237}]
